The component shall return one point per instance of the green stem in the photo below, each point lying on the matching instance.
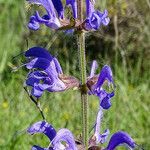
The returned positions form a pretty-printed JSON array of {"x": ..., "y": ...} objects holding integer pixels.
[
  {"x": 84, "y": 96},
  {"x": 82, "y": 59}
]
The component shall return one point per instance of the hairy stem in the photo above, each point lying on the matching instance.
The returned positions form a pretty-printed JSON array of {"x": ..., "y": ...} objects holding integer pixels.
[{"x": 83, "y": 89}]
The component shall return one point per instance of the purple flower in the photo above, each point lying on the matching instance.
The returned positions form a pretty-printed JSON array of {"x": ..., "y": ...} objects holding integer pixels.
[
  {"x": 96, "y": 82},
  {"x": 95, "y": 18},
  {"x": 120, "y": 138},
  {"x": 50, "y": 19},
  {"x": 73, "y": 5},
  {"x": 117, "y": 139},
  {"x": 97, "y": 137},
  {"x": 56, "y": 138},
  {"x": 46, "y": 73}
]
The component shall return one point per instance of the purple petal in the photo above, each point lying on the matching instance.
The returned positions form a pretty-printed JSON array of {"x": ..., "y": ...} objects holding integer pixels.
[
  {"x": 93, "y": 68},
  {"x": 104, "y": 136},
  {"x": 89, "y": 7},
  {"x": 105, "y": 74},
  {"x": 47, "y": 4},
  {"x": 36, "y": 91},
  {"x": 53, "y": 21},
  {"x": 118, "y": 138},
  {"x": 42, "y": 127},
  {"x": 35, "y": 147},
  {"x": 73, "y": 5},
  {"x": 58, "y": 67},
  {"x": 95, "y": 21},
  {"x": 40, "y": 63},
  {"x": 31, "y": 81},
  {"x": 57, "y": 86},
  {"x": 33, "y": 23},
  {"x": 66, "y": 136},
  {"x": 44, "y": 19},
  {"x": 105, "y": 98},
  {"x": 59, "y": 8},
  {"x": 38, "y": 52},
  {"x": 104, "y": 17},
  {"x": 97, "y": 125}
]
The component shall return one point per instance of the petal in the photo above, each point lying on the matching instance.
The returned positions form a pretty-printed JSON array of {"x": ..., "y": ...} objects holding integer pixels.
[
  {"x": 40, "y": 63},
  {"x": 104, "y": 17},
  {"x": 58, "y": 67},
  {"x": 44, "y": 19},
  {"x": 118, "y": 138},
  {"x": 57, "y": 86},
  {"x": 35, "y": 147},
  {"x": 97, "y": 125},
  {"x": 33, "y": 23},
  {"x": 93, "y": 68},
  {"x": 42, "y": 127},
  {"x": 66, "y": 136},
  {"x": 73, "y": 5},
  {"x": 95, "y": 21},
  {"x": 105, "y": 98},
  {"x": 53, "y": 23},
  {"x": 105, "y": 74},
  {"x": 104, "y": 136},
  {"x": 59, "y": 8},
  {"x": 31, "y": 81},
  {"x": 38, "y": 52},
  {"x": 36, "y": 91},
  {"x": 89, "y": 7},
  {"x": 47, "y": 4}
]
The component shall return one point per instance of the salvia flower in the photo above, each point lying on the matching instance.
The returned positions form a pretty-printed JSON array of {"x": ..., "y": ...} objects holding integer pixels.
[
  {"x": 95, "y": 18},
  {"x": 46, "y": 73},
  {"x": 97, "y": 137},
  {"x": 117, "y": 139},
  {"x": 55, "y": 18},
  {"x": 96, "y": 82},
  {"x": 56, "y": 138}
]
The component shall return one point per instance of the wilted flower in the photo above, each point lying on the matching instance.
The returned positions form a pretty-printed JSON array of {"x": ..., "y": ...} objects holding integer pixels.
[
  {"x": 96, "y": 82},
  {"x": 46, "y": 73},
  {"x": 55, "y": 18},
  {"x": 56, "y": 138}
]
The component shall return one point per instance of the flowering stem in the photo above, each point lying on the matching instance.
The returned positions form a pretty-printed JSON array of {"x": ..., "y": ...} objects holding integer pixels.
[
  {"x": 84, "y": 96},
  {"x": 83, "y": 89}
]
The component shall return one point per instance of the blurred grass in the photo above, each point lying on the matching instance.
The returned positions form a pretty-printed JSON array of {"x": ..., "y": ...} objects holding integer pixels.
[{"x": 128, "y": 56}]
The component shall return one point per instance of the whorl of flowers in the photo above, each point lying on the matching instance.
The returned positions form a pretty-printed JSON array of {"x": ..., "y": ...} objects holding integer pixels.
[{"x": 55, "y": 16}]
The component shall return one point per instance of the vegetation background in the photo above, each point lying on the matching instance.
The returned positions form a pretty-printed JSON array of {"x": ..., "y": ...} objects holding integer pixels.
[{"x": 124, "y": 45}]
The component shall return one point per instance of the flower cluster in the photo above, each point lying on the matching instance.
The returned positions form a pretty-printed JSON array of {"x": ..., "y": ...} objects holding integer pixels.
[
  {"x": 55, "y": 18},
  {"x": 46, "y": 74},
  {"x": 64, "y": 140}
]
